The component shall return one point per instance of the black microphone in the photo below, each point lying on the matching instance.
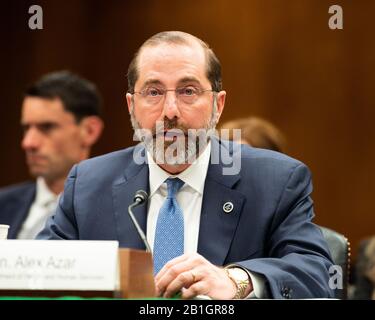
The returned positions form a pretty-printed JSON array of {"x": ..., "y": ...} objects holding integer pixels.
[{"x": 139, "y": 198}]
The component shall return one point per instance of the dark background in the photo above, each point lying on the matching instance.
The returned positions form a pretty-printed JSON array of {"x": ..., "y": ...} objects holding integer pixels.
[{"x": 280, "y": 61}]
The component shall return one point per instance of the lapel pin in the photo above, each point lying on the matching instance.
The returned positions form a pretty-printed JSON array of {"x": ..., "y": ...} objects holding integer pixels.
[{"x": 228, "y": 207}]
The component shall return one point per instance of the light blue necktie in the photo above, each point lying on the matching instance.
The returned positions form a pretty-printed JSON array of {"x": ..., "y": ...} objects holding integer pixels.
[{"x": 169, "y": 233}]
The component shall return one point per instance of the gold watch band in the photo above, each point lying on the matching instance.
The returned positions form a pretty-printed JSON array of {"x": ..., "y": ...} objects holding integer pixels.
[{"x": 241, "y": 283}]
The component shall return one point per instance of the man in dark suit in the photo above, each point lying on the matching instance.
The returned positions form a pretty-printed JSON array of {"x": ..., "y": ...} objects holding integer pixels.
[
  {"x": 60, "y": 119},
  {"x": 212, "y": 203}
]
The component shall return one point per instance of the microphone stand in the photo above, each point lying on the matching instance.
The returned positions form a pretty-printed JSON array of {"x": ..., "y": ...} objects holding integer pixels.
[{"x": 137, "y": 202}]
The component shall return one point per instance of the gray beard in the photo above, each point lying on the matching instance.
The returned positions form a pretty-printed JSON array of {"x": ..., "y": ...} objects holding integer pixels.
[{"x": 185, "y": 149}]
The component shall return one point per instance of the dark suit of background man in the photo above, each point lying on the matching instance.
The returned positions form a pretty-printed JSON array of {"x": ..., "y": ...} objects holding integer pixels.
[
  {"x": 256, "y": 222},
  {"x": 60, "y": 120}
]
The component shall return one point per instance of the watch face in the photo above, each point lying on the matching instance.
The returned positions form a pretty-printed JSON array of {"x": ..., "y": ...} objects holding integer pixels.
[{"x": 239, "y": 274}]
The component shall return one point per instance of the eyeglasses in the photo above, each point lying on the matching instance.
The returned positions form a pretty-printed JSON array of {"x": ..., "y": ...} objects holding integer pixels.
[{"x": 187, "y": 95}]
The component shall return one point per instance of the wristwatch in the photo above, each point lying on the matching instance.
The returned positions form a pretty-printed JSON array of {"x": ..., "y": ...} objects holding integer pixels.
[{"x": 240, "y": 278}]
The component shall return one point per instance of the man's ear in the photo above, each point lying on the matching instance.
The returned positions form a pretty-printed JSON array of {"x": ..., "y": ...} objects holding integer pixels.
[
  {"x": 220, "y": 102},
  {"x": 129, "y": 101},
  {"x": 91, "y": 129}
]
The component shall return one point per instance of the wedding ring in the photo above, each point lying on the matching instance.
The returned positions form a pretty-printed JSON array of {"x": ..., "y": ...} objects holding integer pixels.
[{"x": 194, "y": 276}]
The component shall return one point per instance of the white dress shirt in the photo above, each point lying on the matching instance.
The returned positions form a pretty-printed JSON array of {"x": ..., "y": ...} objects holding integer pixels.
[
  {"x": 43, "y": 206},
  {"x": 189, "y": 198}
]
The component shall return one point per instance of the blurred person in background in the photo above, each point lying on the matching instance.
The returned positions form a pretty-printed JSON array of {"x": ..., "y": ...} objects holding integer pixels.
[
  {"x": 257, "y": 132},
  {"x": 364, "y": 282},
  {"x": 61, "y": 122}
]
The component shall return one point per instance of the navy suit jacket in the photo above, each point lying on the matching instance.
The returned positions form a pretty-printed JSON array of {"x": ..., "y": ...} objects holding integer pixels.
[
  {"x": 269, "y": 231},
  {"x": 15, "y": 203}
]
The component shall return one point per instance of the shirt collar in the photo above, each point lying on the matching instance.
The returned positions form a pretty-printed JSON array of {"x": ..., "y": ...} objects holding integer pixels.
[
  {"x": 194, "y": 175},
  {"x": 44, "y": 195}
]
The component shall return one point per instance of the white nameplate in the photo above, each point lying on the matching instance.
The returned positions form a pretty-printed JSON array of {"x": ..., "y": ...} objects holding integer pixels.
[{"x": 59, "y": 265}]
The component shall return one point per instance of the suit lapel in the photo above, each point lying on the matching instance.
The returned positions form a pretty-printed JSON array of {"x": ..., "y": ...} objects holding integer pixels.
[
  {"x": 217, "y": 227},
  {"x": 135, "y": 178}
]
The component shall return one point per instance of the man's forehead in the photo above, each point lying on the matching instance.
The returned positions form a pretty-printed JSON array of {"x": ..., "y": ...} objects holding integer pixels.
[
  {"x": 39, "y": 109},
  {"x": 179, "y": 60},
  {"x": 43, "y": 102},
  {"x": 164, "y": 52}
]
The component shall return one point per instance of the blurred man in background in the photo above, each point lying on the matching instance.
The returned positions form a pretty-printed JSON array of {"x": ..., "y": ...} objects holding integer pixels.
[{"x": 61, "y": 122}]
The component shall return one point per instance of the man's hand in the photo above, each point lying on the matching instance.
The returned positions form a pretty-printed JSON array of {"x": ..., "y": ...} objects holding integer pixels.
[{"x": 193, "y": 275}]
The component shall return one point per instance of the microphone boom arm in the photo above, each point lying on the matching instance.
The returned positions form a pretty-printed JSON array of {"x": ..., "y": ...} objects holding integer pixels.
[{"x": 140, "y": 232}]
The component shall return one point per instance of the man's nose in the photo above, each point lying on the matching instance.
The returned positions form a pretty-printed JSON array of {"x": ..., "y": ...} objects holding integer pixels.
[
  {"x": 170, "y": 108},
  {"x": 31, "y": 139}
]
